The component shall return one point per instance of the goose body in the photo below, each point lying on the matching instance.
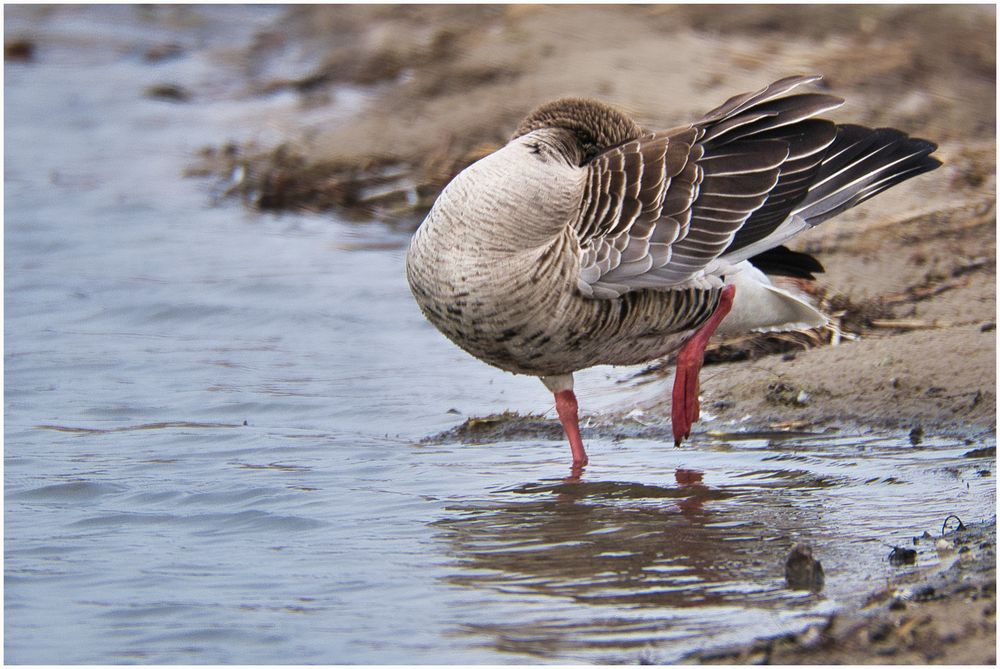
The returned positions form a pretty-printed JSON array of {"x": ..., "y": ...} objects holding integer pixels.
[{"x": 587, "y": 240}]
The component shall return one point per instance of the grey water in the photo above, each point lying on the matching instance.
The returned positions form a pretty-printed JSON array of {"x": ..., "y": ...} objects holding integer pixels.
[{"x": 215, "y": 422}]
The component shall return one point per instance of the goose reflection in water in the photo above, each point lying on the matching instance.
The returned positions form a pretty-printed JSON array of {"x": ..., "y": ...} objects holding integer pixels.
[{"x": 575, "y": 565}]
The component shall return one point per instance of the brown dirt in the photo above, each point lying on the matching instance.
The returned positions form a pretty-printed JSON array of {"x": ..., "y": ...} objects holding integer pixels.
[
  {"x": 450, "y": 83},
  {"x": 911, "y": 275}
]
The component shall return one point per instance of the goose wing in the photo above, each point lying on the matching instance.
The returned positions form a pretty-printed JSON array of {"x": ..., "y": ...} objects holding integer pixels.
[{"x": 659, "y": 210}]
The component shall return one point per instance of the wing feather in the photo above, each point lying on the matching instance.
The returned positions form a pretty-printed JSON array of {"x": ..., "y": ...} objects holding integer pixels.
[
  {"x": 667, "y": 209},
  {"x": 738, "y": 103}
]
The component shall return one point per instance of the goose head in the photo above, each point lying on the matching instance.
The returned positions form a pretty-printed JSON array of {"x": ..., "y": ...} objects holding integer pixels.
[{"x": 583, "y": 128}]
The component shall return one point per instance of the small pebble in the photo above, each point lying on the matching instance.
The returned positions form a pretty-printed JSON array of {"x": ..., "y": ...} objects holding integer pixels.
[
  {"x": 880, "y": 631},
  {"x": 19, "y": 50},
  {"x": 802, "y": 570},
  {"x": 976, "y": 399},
  {"x": 944, "y": 546},
  {"x": 161, "y": 52},
  {"x": 988, "y": 327},
  {"x": 811, "y": 637},
  {"x": 168, "y": 92},
  {"x": 901, "y": 555}
]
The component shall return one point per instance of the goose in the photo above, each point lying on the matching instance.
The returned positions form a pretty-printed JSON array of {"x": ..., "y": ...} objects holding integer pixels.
[{"x": 589, "y": 240}]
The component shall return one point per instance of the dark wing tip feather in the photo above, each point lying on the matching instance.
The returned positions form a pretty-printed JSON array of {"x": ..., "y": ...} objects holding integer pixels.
[
  {"x": 867, "y": 166},
  {"x": 924, "y": 146}
]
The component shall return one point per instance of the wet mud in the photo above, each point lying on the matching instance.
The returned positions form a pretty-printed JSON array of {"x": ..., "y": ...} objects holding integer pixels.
[
  {"x": 511, "y": 426},
  {"x": 944, "y": 616}
]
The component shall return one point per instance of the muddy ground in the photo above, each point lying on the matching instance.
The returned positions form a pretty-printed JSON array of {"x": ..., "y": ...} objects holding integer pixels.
[
  {"x": 945, "y": 616},
  {"x": 910, "y": 279}
]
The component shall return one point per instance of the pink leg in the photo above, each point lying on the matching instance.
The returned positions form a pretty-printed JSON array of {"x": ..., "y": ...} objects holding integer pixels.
[
  {"x": 684, "y": 409},
  {"x": 566, "y": 407}
]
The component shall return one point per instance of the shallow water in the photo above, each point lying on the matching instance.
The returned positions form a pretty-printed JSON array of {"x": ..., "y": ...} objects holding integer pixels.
[{"x": 215, "y": 421}]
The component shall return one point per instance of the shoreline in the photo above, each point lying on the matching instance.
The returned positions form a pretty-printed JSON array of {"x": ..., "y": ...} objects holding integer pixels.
[
  {"x": 941, "y": 615},
  {"x": 910, "y": 281},
  {"x": 371, "y": 109},
  {"x": 910, "y": 277}
]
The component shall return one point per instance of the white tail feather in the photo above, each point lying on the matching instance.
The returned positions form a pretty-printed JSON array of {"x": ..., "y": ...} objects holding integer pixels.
[{"x": 760, "y": 306}]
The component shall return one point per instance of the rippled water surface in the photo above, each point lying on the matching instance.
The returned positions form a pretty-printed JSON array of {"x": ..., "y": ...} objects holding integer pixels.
[{"x": 214, "y": 425}]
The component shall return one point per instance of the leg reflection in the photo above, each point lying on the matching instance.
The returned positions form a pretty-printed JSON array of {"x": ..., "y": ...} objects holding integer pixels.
[
  {"x": 575, "y": 474},
  {"x": 691, "y": 478}
]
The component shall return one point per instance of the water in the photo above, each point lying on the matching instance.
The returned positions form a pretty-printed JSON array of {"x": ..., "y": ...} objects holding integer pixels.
[{"x": 214, "y": 423}]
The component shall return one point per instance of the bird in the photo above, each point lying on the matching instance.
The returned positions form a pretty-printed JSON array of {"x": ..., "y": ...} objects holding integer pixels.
[{"x": 587, "y": 239}]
